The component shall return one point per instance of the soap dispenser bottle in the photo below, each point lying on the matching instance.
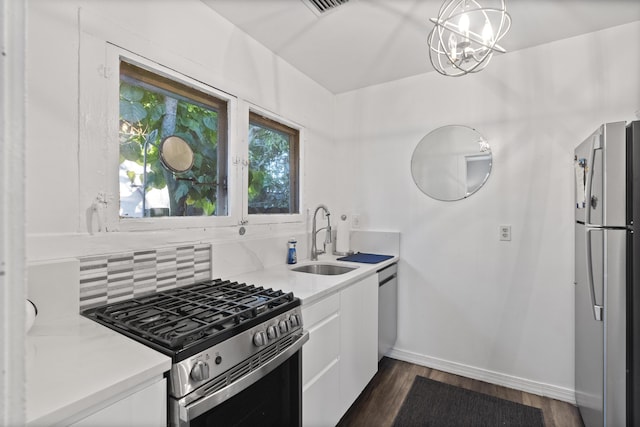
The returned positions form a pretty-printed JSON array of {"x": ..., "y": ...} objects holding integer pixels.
[{"x": 292, "y": 257}]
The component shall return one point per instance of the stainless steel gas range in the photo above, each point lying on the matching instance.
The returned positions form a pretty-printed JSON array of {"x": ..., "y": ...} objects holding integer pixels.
[{"x": 236, "y": 350}]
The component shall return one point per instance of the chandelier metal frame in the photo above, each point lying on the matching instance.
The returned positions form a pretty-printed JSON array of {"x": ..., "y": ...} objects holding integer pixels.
[{"x": 457, "y": 49}]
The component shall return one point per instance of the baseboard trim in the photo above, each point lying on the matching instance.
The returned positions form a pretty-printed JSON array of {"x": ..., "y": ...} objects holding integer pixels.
[{"x": 517, "y": 383}]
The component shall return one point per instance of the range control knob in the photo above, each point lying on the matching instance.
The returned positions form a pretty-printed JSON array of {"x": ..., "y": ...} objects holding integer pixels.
[
  {"x": 260, "y": 339},
  {"x": 272, "y": 332},
  {"x": 284, "y": 326},
  {"x": 294, "y": 320},
  {"x": 200, "y": 371}
]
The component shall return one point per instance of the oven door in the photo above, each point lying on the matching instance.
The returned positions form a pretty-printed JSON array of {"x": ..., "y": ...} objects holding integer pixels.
[{"x": 270, "y": 395}]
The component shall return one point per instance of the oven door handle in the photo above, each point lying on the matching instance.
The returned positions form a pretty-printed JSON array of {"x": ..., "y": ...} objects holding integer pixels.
[{"x": 192, "y": 410}]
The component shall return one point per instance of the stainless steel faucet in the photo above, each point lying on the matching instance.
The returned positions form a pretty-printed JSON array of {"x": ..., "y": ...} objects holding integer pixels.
[{"x": 327, "y": 240}]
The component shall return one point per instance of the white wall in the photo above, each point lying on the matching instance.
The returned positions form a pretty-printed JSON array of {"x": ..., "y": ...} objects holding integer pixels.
[
  {"x": 200, "y": 40},
  {"x": 468, "y": 302},
  {"x": 12, "y": 242}
]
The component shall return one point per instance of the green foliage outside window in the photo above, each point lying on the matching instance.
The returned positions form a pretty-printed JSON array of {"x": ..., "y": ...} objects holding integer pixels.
[
  {"x": 269, "y": 171},
  {"x": 150, "y": 116}
]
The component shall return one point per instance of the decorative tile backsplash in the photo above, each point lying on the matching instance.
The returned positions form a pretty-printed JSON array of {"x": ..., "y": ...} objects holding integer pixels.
[{"x": 117, "y": 277}]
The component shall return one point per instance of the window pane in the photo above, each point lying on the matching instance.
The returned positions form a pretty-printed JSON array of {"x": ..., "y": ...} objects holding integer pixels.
[
  {"x": 153, "y": 108},
  {"x": 273, "y": 167}
]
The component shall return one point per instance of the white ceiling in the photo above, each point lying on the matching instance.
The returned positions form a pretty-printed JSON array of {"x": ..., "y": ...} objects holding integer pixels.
[{"x": 365, "y": 42}]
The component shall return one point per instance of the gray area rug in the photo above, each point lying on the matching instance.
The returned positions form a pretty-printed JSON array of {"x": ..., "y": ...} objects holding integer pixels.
[{"x": 432, "y": 403}]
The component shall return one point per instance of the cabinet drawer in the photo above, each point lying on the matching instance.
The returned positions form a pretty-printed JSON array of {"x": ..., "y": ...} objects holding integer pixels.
[
  {"x": 316, "y": 312},
  {"x": 322, "y": 348},
  {"x": 321, "y": 399}
]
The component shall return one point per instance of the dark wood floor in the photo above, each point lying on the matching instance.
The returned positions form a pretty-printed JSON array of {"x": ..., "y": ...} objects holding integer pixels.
[{"x": 380, "y": 401}]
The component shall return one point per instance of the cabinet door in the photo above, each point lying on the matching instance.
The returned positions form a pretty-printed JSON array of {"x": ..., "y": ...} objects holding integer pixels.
[
  {"x": 147, "y": 407},
  {"x": 358, "y": 339}
]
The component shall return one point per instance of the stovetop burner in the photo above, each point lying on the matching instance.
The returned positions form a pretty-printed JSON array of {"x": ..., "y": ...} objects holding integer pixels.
[{"x": 183, "y": 321}]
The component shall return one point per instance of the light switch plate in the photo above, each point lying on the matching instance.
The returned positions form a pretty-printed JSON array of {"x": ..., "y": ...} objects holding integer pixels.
[{"x": 505, "y": 233}]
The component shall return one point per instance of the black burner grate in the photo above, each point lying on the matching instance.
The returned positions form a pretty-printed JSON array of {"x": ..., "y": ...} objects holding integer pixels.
[{"x": 207, "y": 312}]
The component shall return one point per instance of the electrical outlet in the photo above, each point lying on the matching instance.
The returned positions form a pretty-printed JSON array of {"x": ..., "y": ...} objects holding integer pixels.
[
  {"x": 355, "y": 220},
  {"x": 505, "y": 232}
]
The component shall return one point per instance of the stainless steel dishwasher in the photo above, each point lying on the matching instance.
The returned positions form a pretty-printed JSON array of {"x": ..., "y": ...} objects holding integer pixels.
[{"x": 387, "y": 308}]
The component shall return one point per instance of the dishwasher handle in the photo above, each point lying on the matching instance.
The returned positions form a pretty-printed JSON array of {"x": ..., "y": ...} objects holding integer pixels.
[
  {"x": 387, "y": 273},
  {"x": 387, "y": 280}
]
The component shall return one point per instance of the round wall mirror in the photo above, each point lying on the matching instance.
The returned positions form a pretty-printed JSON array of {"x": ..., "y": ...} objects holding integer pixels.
[
  {"x": 176, "y": 154},
  {"x": 451, "y": 163}
]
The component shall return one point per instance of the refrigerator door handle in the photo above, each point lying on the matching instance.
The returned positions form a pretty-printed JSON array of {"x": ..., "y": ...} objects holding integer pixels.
[
  {"x": 597, "y": 145},
  {"x": 597, "y": 309}
]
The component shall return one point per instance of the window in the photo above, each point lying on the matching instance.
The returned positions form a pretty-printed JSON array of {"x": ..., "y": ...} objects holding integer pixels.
[
  {"x": 274, "y": 178},
  {"x": 152, "y": 109}
]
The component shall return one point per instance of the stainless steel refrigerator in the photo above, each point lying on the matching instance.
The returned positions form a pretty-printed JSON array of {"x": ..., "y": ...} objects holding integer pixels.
[{"x": 607, "y": 276}]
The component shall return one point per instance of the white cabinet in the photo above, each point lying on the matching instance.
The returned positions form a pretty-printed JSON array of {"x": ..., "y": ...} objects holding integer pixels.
[
  {"x": 144, "y": 408},
  {"x": 321, "y": 363},
  {"x": 321, "y": 399},
  {"x": 341, "y": 355},
  {"x": 358, "y": 338}
]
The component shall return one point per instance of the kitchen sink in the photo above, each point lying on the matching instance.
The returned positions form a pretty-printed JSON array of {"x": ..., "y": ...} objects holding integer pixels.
[{"x": 324, "y": 269}]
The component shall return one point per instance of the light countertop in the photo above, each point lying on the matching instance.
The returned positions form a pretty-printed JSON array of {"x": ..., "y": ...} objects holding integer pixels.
[
  {"x": 74, "y": 364},
  {"x": 311, "y": 287}
]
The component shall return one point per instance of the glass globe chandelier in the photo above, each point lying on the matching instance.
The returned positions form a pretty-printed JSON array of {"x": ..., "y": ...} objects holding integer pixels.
[{"x": 466, "y": 35}]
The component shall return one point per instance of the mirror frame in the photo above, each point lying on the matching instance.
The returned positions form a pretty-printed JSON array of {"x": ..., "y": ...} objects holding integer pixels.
[{"x": 176, "y": 155}]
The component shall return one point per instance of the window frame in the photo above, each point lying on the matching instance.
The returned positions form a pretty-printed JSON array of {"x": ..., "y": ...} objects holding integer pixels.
[
  {"x": 294, "y": 157},
  {"x": 100, "y": 52},
  {"x": 284, "y": 125},
  {"x": 114, "y": 222}
]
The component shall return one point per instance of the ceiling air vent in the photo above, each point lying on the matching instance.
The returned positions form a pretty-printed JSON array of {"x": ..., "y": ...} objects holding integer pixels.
[{"x": 320, "y": 7}]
